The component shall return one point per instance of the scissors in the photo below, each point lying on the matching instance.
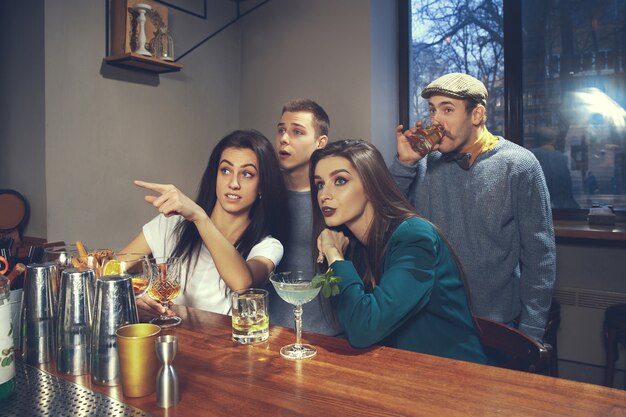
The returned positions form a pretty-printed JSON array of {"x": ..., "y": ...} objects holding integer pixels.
[{"x": 4, "y": 265}]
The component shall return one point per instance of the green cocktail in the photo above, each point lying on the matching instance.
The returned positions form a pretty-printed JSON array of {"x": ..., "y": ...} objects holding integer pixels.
[
  {"x": 295, "y": 288},
  {"x": 298, "y": 293}
]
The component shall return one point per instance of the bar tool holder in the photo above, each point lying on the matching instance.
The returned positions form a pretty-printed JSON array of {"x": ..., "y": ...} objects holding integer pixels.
[{"x": 167, "y": 378}]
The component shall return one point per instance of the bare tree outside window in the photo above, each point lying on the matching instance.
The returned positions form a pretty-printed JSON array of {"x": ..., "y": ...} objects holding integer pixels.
[{"x": 457, "y": 36}]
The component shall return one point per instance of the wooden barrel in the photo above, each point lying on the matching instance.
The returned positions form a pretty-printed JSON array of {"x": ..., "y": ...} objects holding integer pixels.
[{"x": 14, "y": 210}]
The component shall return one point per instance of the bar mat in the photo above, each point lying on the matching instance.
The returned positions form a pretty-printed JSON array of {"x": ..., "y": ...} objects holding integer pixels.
[{"x": 38, "y": 393}]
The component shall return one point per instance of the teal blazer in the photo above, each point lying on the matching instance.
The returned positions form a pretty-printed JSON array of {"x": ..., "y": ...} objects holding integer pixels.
[{"x": 420, "y": 302}]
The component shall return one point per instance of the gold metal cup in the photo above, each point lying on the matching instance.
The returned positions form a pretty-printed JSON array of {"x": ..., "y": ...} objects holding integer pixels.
[{"x": 138, "y": 361}]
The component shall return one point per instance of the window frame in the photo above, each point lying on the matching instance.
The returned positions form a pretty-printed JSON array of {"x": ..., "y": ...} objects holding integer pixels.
[{"x": 513, "y": 84}]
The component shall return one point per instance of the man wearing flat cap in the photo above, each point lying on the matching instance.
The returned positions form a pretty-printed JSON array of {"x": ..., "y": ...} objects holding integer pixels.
[{"x": 489, "y": 197}]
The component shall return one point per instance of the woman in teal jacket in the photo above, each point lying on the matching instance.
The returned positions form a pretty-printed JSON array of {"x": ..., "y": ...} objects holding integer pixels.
[{"x": 402, "y": 286}]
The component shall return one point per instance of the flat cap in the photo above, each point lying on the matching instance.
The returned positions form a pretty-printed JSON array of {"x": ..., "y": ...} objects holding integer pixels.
[{"x": 457, "y": 85}]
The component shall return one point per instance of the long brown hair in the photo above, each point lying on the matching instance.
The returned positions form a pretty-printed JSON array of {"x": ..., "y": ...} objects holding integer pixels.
[
  {"x": 391, "y": 207},
  {"x": 268, "y": 215}
]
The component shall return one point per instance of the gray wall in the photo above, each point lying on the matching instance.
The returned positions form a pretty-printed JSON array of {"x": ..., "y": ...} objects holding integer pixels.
[
  {"x": 384, "y": 77},
  {"x": 107, "y": 126},
  {"x": 22, "y": 107},
  {"x": 89, "y": 129},
  {"x": 341, "y": 54},
  {"x": 81, "y": 131}
]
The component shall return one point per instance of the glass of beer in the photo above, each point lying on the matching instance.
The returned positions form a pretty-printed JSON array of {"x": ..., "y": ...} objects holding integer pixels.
[
  {"x": 164, "y": 286},
  {"x": 250, "y": 320}
]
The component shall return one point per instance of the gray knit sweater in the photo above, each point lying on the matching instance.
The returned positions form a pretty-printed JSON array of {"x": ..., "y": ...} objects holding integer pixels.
[{"x": 497, "y": 218}]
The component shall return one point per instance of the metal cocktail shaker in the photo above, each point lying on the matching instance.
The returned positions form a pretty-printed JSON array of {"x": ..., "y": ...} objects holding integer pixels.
[
  {"x": 167, "y": 378},
  {"x": 74, "y": 321},
  {"x": 39, "y": 313},
  {"x": 114, "y": 307}
]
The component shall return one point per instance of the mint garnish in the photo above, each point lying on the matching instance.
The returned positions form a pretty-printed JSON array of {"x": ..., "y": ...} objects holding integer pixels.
[{"x": 329, "y": 283}]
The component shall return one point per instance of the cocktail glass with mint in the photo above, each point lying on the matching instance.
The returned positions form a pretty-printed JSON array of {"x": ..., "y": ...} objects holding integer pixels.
[{"x": 295, "y": 288}]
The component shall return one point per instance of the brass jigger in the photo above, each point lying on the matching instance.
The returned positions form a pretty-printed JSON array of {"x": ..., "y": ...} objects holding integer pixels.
[{"x": 167, "y": 378}]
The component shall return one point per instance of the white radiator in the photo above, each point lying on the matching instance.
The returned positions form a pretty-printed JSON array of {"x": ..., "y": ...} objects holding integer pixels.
[
  {"x": 581, "y": 334},
  {"x": 586, "y": 298}
]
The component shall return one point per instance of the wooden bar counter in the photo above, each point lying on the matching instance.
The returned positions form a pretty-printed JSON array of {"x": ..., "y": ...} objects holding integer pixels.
[{"x": 219, "y": 377}]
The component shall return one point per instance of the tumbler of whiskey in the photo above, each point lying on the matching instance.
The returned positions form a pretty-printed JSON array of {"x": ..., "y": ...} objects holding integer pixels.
[{"x": 424, "y": 138}]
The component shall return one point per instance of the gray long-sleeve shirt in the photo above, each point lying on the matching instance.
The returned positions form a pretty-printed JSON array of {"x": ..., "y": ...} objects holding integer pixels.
[
  {"x": 497, "y": 218},
  {"x": 318, "y": 316}
]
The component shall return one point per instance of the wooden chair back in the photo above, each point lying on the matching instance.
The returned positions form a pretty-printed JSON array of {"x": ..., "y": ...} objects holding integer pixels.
[
  {"x": 510, "y": 348},
  {"x": 15, "y": 212}
]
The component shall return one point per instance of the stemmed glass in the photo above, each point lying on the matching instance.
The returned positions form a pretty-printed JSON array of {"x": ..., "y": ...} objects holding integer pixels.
[
  {"x": 164, "y": 286},
  {"x": 295, "y": 288}
]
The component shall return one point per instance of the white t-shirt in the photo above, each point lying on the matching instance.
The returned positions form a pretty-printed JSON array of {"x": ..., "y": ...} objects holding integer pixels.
[{"x": 205, "y": 289}]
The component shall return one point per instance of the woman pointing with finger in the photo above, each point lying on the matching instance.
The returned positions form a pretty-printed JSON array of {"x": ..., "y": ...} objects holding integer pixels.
[{"x": 228, "y": 237}]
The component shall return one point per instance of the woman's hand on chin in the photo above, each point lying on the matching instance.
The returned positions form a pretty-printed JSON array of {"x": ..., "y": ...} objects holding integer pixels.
[{"x": 331, "y": 245}]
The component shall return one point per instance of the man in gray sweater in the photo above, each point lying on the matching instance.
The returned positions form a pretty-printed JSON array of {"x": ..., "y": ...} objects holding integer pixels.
[
  {"x": 489, "y": 197},
  {"x": 303, "y": 128}
]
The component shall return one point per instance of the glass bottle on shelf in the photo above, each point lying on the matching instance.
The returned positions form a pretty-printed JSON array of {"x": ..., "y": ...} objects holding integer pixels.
[
  {"x": 164, "y": 45},
  {"x": 7, "y": 364}
]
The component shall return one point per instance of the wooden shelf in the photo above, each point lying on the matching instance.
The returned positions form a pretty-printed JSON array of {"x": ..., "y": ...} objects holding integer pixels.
[
  {"x": 583, "y": 230},
  {"x": 146, "y": 63}
]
